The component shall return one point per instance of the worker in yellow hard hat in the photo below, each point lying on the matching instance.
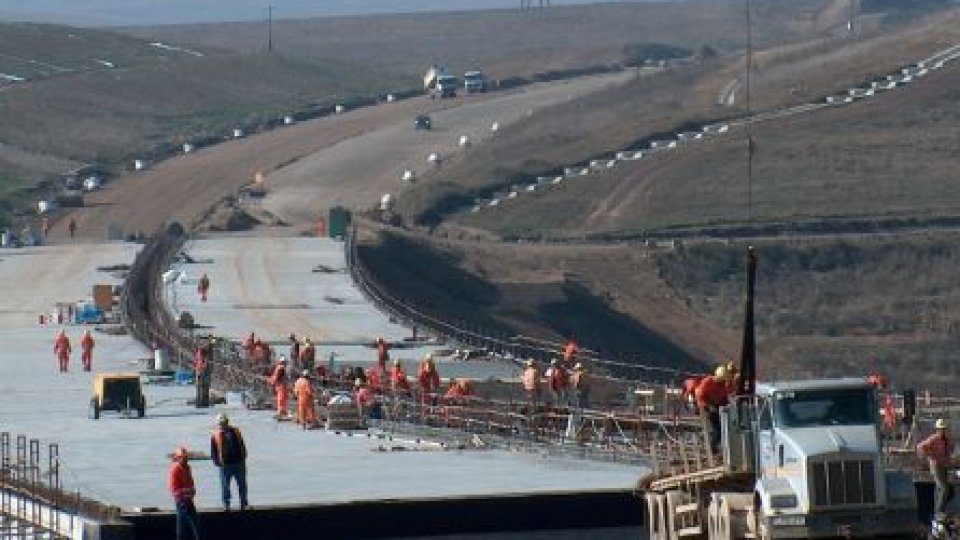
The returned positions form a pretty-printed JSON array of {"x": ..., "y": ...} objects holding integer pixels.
[{"x": 938, "y": 449}]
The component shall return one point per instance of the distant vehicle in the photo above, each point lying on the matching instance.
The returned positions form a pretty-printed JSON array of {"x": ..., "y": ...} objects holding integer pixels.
[
  {"x": 439, "y": 83},
  {"x": 121, "y": 392},
  {"x": 70, "y": 198},
  {"x": 88, "y": 313},
  {"x": 423, "y": 121},
  {"x": 474, "y": 81}
]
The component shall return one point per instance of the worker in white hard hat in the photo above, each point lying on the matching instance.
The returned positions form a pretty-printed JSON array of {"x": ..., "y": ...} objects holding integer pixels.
[
  {"x": 712, "y": 393},
  {"x": 938, "y": 449}
]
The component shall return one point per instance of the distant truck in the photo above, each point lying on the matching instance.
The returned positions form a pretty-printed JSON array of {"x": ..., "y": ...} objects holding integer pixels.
[
  {"x": 474, "y": 81},
  {"x": 438, "y": 83}
]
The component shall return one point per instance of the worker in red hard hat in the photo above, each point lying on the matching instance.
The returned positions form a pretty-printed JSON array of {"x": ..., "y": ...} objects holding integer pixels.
[
  {"x": 180, "y": 483},
  {"x": 86, "y": 346},
  {"x": 278, "y": 380},
  {"x": 711, "y": 394},
  {"x": 61, "y": 347},
  {"x": 306, "y": 403}
]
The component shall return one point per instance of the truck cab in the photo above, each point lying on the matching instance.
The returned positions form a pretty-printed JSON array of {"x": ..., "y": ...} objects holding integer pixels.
[
  {"x": 474, "y": 81},
  {"x": 819, "y": 460},
  {"x": 446, "y": 86}
]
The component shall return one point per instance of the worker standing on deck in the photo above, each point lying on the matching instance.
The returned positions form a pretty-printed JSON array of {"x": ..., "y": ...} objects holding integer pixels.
[
  {"x": 570, "y": 353},
  {"x": 61, "y": 347},
  {"x": 249, "y": 344},
  {"x": 530, "y": 380},
  {"x": 86, "y": 346},
  {"x": 428, "y": 377},
  {"x": 398, "y": 378},
  {"x": 229, "y": 453},
  {"x": 712, "y": 393},
  {"x": 558, "y": 380},
  {"x": 306, "y": 411},
  {"x": 72, "y": 227},
  {"x": 180, "y": 482},
  {"x": 383, "y": 353},
  {"x": 203, "y": 286},
  {"x": 294, "y": 355},
  {"x": 580, "y": 382},
  {"x": 938, "y": 449},
  {"x": 278, "y": 380},
  {"x": 308, "y": 356}
]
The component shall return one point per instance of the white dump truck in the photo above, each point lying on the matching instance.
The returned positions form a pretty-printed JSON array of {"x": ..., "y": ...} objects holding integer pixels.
[
  {"x": 474, "y": 81},
  {"x": 799, "y": 459}
]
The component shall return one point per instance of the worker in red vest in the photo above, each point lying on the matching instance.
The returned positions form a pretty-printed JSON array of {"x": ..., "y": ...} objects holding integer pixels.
[
  {"x": 428, "y": 377},
  {"x": 398, "y": 378},
  {"x": 61, "y": 347},
  {"x": 559, "y": 381},
  {"x": 86, "y": 345},
  {"x": 570, "y": 353},
  {"x": 180, "y": 482}
]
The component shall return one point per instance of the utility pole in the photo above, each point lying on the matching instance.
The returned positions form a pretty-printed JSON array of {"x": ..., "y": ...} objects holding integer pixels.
[
  {"x": 270, "y": 28},
  {"x": 750, "y": 145}
]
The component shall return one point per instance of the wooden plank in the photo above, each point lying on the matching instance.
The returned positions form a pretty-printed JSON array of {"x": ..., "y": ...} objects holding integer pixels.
[
  {"x": 689, "y": 531},
  {"x": 686, "y": 508}
]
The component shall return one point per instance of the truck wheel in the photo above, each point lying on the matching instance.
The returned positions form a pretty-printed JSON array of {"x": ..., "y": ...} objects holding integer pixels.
[{"x": 94, "y": 410}]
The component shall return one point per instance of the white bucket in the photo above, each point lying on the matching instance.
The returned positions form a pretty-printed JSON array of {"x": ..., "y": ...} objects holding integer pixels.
[
  {"x": 161, "y": 362},
  {"x": 187, "y": 148},
  {"x": 234, "y": 399},
  {"x": 43, "y": 206},
  {"x": 139, "y": 164}
]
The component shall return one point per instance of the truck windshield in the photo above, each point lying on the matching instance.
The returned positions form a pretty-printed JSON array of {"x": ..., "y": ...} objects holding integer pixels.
[{"x": 833, "y": 407}]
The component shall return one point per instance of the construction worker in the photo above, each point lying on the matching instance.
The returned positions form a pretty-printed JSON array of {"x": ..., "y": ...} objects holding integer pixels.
[
  {"x": 201, "y": 369},
  {"x": 570, "y": 353},
  {"x": 428, "y": 377},
  {"x": 180, "y": 482},
  {"x": 86, "y": 346},
  {"x": 398, "y": 378},
  {"x": 278, "y": 380},
  {"x": 383, "y": 353},
  {"x": 308, "y": 355},
  {"x": 229, "y": 453},
  {"x": 72, "y": 227},
  {"x": 375, "y": 377},
  {"x": 249, "y": 344},
  {"x": 938, "y": 449},
  {"x": 711, "y": 394},
  {"x": 557, "y": 378},
  {"x": 581, "y": 382},
  {"x": 306, "y": 412},
  {"x": 202, "y": 287},
  {"x": 530, "y": 380},
  {"x": 45, "y": 226},
  {"x": 61, "y": 347},
  {"x": 294, "y": 353},
  {"x": 363, "y": 395},
  {"x": 459, "y": 388}
]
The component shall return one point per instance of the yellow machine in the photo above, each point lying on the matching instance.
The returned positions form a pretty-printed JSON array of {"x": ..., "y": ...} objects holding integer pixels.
[{"x": 121, "y": 392}]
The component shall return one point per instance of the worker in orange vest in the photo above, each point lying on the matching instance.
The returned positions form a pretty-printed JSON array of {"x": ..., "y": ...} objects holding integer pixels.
[
  {"x": 428, "y": 377},
  {"x": 712, "y": 393},
  {"x": 570, "y": 353},
  {"x": 306, "y": 405},
  {"x": 61, "y": 347},
  {"x": 180, "y": 483},
  {"x": 398, "y": 378},
  {"x": 278, "y": 380},
  {"x": 383, "y": 353},
  {"x": 86, "y": 345}
]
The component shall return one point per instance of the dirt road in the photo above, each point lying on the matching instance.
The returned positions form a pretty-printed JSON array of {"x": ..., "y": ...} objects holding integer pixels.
[{"x": 351, "y": 158}]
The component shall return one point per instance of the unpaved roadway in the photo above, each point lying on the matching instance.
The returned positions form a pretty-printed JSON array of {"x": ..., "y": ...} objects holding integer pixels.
[{"x": 338, "y": 170}]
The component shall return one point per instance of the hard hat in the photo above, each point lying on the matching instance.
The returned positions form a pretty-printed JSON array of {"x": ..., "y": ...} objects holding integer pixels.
[
  {"x": 222, "y": 419},
  {"x": 305, "y": 373},
  {"x": 380, "y": 340},
  {"x": 358, "y": 382},
  {"x": 720, "y": 373},
  {"x": 283, "y": 359},
  {"x": 530, "y": 362},
  {"x": 553, "y": 362},
  {"x": 180, "y": 453},
  {"x": 293, "y": 337},
  {"x": 731, "y": 366},
  {"x": 578, "y": 366},
  {"x": 396, "y": 362},
  {"x": 940, "y": 424}
]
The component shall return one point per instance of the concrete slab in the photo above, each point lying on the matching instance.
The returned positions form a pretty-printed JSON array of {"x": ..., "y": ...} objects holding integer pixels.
[
  {"x": 122, "y": 461},
  {"x": 268, "y": 285}
]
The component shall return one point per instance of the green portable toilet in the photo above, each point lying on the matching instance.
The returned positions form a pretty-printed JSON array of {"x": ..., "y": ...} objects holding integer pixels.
[{"x": 339, "y": 219}]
